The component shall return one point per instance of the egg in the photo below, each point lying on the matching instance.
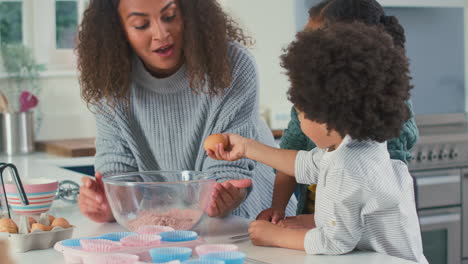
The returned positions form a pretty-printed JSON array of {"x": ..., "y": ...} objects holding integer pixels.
[
  {"x": 62, "y": 222},
  {"x": 37, "y": 226},
  {"x": 51, "y": 218},
  {"x": 213, "y": 140},
  {"x": 8, "y": 225},
  {"x": 31, "y": 221}
]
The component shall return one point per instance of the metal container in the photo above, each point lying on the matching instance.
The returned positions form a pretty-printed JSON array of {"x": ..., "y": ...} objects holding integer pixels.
[{"x": 17, "y": 133}]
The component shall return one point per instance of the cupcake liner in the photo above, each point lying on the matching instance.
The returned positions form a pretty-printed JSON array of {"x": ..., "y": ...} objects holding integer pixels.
[
  {"x": 71, "y": 243},
  {"x": 153, "y": 229},
  {"x": 178, "y": 236},
  {"x": 212, "y": 248},
  {"x": 99, "y": 245},
  {"x": 166, "y": 254},
  {"x": 75, "y": 242},
  {"x": 117, "y": 236},
  {"x": 111, "y": 259},
  {"x": 141, "y": 240},
  {"x": 204, "y": 261},
  {"x": 232, "y": 257}
]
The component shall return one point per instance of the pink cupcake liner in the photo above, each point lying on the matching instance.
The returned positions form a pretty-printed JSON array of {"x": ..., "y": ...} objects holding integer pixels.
[
  {"x": 99, "y": 245},
  {"x": 153, "y": 229},
  {"x": 142, "y": 240},
  {"x": 111, "y": 259},
  {"x": 213, "y": 248}
]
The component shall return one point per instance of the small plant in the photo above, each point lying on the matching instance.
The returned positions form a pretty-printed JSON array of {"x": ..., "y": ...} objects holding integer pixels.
[{"x": 22, "y": 70}]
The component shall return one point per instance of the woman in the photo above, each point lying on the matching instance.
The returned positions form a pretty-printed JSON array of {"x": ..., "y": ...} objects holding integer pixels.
[
  {"x": 371, "y": 13},
  {"x": 162, "y": 75}
]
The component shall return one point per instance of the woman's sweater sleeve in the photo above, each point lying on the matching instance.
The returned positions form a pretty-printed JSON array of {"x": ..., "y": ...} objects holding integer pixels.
[
  {"x": 112, "y": 152},
  {"x": 237, "y": 114}
]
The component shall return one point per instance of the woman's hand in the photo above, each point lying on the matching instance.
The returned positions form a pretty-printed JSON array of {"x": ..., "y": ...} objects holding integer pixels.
[
  {"x": 227, "y": 196},
  {"x": 92, "y": 200},
  {"x": 272, "y": 215},
  {"x": 298, "y": 222},
  {"x": 234, "y": 151}
]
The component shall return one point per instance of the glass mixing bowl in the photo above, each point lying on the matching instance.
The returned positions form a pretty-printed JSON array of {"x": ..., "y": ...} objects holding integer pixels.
[{"x": 177, "y": 199}]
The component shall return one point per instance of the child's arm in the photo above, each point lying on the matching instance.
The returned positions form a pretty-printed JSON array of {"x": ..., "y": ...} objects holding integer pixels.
[
  {"x": 266, "y": 234},
  {"x": 283, "y": 189},
  {"x": 239, "y": 147},
  {"x": 342, "y": 228},
  {"x": 339, "y": 232}
]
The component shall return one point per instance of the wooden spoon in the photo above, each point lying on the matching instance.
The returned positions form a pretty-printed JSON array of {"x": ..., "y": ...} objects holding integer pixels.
[{"x": 4, "y": 106}]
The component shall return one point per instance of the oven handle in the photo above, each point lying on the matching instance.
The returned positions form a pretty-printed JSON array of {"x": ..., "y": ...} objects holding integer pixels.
[
  {"x": 439, "y": 219},
  {"x": 434, "y": 180}
]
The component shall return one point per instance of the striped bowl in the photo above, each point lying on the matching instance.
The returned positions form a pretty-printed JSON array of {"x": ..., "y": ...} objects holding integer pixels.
[{"x": 40, "y": 192}]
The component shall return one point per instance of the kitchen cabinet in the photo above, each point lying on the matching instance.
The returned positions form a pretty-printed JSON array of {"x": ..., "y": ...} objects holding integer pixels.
[{"x": 422, "y": 3}]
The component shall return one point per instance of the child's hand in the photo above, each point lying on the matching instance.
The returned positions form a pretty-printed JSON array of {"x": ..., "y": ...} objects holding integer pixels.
[
  {"x": 234, "y": 151},
  {"x": 92, "y": 200},
  {"x": 298, "y": 222},
  {"x": 272, "y": 215},
  {"x": 263, "y": 233}
]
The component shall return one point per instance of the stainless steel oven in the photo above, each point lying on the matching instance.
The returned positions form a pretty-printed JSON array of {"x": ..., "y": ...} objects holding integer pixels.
[
  {"x": 465, "y": 215},
  {"x": 441, "y": 235},
  {"x": 440, "y": 170},
  {"x": 438, "y": 197}
]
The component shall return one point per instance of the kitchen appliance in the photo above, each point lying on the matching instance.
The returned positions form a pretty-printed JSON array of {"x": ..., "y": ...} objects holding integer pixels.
[{"x": 440, "y": 169}]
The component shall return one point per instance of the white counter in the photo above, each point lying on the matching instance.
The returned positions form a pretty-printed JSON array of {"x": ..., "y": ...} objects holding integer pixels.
[{"x": 42, "y": 165}]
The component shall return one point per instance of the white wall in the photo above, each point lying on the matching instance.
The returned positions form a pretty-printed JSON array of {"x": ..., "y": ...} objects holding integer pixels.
[
  {"x": 272, "y": 24},
  {"x": 64, "y": 114}
]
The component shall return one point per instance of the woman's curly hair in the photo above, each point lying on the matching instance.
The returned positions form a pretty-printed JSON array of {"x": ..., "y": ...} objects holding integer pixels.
[
  {"x": 352, "y": 78},
  {"x": 104, "y": 54}
]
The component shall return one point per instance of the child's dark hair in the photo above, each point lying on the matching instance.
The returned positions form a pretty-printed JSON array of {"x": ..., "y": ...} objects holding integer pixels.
[
  {"x": 369, "y": 12},
  {"x": 351, "y": 77}
]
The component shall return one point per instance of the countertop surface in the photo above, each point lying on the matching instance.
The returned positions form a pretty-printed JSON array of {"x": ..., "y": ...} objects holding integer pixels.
[{"x": 44, "y": 165}]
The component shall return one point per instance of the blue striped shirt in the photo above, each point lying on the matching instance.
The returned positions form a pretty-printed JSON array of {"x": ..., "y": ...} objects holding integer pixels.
[{"x": 364, "y": 201}]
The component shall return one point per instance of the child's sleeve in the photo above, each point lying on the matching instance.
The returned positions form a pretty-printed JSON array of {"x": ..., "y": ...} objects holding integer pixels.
[
  {"x": 339, "y": 227},
  {"x": 306, "y": 167}
]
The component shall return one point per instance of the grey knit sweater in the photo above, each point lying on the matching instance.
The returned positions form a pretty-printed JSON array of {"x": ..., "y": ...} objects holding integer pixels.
[{"x": 166, "y": 124}]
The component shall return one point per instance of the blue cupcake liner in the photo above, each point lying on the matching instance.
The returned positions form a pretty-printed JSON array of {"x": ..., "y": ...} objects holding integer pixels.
[
  {"x": 178, "y": 236},
  {"x": 76, "y": 242},
  {"x": 203, "y": 261},
  {"x": 229, "y": 257},
  {"x": 117, "y": 236},
  {"x": 166, "y": 254},
  {"x": 71, "y": 243}
]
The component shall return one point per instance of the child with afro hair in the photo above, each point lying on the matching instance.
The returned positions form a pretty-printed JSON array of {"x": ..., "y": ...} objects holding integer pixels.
[{"x": 349, "y": 84}]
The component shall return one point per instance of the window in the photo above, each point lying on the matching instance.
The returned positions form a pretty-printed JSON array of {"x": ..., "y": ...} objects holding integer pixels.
[
  {"x": 48, "y": 27},
  {"x": 66, "y": 23},
  {"x": 11, "y": 22}
]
